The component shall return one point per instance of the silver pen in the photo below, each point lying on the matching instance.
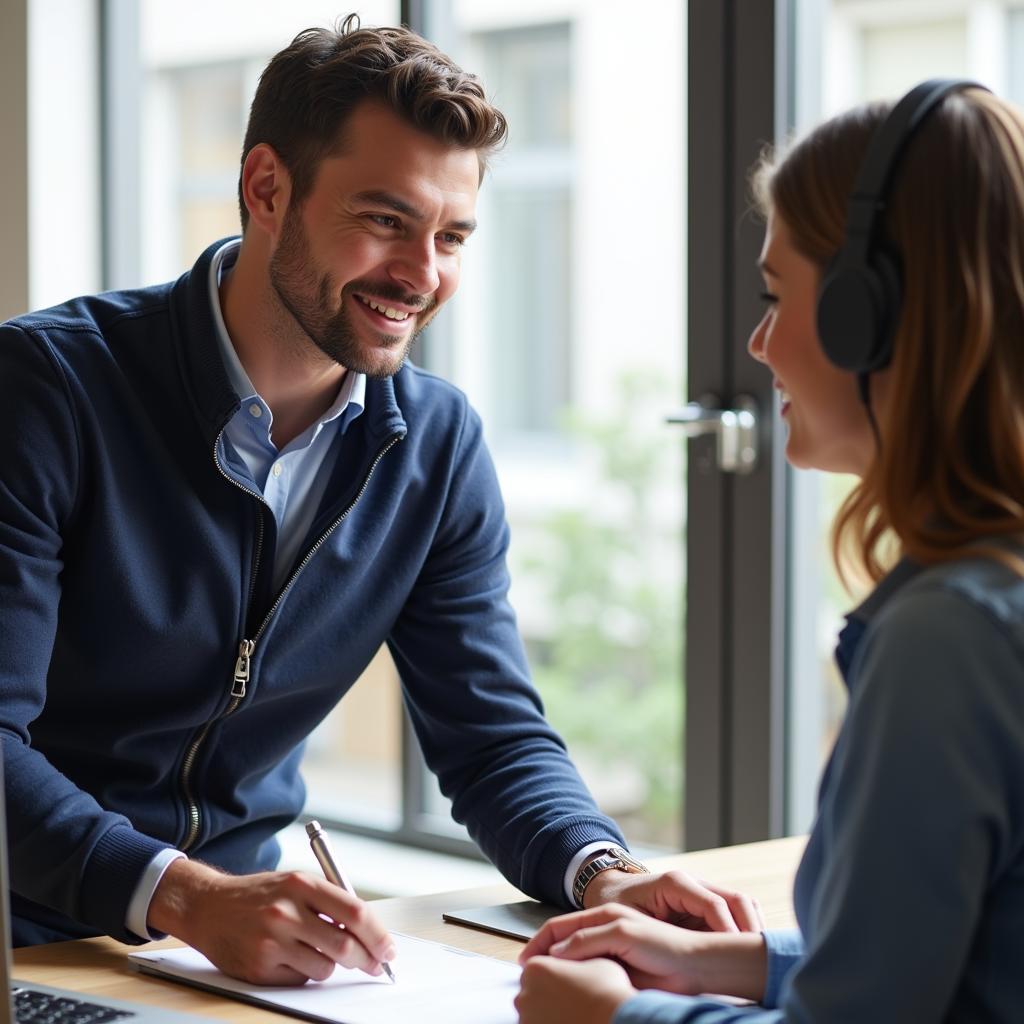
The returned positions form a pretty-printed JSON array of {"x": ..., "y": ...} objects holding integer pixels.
[{"x": 318, "y": 841}]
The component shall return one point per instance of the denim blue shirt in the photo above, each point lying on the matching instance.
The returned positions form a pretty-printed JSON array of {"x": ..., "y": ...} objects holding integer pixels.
[{"x": 910, "y": 894}]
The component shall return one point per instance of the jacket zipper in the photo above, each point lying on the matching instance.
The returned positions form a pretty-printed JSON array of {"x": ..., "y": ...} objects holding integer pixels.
[{"x": 246, "y": 647}]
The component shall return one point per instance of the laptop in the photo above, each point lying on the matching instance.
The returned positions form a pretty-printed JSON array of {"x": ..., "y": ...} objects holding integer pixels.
[{"x": 23, "y": 1002}]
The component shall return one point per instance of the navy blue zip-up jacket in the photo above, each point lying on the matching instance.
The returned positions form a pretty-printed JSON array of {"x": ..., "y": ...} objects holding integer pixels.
[{"x": 133, "y": 568}]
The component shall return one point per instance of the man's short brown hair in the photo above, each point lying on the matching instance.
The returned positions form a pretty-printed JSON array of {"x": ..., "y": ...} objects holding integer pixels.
[{"x": 308, "y": 91}]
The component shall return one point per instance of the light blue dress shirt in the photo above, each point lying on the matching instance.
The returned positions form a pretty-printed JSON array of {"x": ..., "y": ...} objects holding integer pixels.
[{"x": 292, "y": 479}]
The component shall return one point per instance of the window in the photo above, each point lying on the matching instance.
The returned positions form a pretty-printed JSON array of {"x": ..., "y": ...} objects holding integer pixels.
[{"x": 530, "y": 292}]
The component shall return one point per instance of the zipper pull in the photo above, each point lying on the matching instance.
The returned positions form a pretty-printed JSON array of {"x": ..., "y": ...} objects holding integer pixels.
[{"x": 245, "y": 649}]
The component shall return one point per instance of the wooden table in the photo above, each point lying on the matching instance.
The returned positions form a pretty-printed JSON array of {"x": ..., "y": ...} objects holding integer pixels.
[{"x": 764, "y": 870}]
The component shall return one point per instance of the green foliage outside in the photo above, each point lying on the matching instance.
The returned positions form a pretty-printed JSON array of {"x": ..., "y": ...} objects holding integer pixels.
[{"x": 610, "y": 669}]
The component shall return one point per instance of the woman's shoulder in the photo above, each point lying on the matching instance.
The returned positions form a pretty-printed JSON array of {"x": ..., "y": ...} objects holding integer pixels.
[
  {"x": 951, "y": 620},
  {"x": 943, "y": 594}
]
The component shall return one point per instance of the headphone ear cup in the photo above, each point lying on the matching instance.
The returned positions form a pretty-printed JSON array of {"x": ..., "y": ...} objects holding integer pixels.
[
  {"x": 858, "y": 306},
  {"x": 889, "y": 283}
]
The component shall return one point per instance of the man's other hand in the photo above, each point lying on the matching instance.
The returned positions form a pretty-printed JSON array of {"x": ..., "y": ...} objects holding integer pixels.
[{"x": 678, "y": 898}]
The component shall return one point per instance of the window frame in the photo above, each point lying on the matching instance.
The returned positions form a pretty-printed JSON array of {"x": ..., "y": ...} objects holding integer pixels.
[{"x": 739, "y": 98}]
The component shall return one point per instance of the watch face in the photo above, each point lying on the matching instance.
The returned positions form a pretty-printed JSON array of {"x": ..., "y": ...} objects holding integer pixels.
[{"x": 627, "y": 858}]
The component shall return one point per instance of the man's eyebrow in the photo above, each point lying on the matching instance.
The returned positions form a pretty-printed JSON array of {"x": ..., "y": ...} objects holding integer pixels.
[{"x": 399, "y": 205}]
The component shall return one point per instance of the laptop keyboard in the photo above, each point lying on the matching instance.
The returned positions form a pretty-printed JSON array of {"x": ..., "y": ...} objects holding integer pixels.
[{"x": 46, "y": 1008}]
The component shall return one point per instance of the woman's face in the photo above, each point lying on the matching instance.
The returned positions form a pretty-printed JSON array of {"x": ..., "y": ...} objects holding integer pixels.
[{"x": 828, "y": 426}]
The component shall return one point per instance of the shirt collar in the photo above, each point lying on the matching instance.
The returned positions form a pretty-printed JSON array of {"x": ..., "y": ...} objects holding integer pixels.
[
  {"x": 895, "y": 579},
  {"x": 223, "y": 260},
  {"x": 353, "y": 387},
  {"x": 857, "y": 621}
]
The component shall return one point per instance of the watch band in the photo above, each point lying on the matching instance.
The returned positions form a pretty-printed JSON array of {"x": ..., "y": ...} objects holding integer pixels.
[{"x": 615, "y": 857}]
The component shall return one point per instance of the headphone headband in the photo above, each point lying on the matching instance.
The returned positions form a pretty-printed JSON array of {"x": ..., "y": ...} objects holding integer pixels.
[
  {"x": 861, "y": 291},
  {"x": 867, "y": 200}
]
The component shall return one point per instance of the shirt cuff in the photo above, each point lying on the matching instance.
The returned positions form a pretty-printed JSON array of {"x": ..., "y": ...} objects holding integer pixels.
[
  {"x": 654, "y": 1007},
  {"x": 786, "y": 949},
  {"x": 577, "y": 862},
  {"x": 138, "y": 906}
]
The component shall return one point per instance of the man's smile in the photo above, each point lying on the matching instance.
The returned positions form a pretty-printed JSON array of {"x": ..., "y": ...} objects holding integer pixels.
[{"x": 389, "y": 311}]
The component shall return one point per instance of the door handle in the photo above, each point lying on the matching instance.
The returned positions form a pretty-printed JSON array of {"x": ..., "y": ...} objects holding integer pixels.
[{"x": 735, "y": 429}]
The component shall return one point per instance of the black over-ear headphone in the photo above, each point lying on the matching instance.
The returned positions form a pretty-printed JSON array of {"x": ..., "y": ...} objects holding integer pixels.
[{"x": 861, "y": 291}]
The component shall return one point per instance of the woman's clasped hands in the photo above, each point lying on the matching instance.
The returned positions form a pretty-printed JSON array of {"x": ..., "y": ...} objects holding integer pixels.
[{"x": 584, "y": 966}]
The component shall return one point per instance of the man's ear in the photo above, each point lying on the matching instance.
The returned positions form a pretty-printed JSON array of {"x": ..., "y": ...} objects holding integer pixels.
[{"x": 266, "y": 188}]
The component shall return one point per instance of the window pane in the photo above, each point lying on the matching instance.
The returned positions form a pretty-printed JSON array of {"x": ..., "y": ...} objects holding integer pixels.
[{"x": 567, "y": 334}]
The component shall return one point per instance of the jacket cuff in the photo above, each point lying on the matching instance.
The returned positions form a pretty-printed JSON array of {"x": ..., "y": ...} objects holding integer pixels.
[
  {"x": 786, "y": 949},
  {"x": 112, "y": 873},
  {"x": 555, "y": 848}
]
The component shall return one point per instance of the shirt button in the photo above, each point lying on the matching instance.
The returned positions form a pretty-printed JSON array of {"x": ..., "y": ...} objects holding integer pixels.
[
  {"x": 255, "y": 410},
  {"x": 277, "y": 469}
]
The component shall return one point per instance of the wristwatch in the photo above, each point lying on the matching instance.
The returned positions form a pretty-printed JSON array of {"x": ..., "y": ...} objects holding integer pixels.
[{"x": 613, "y": 857}]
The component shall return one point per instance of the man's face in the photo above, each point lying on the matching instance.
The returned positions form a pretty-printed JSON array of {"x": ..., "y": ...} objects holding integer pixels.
[{"x": 374, "y": 250}]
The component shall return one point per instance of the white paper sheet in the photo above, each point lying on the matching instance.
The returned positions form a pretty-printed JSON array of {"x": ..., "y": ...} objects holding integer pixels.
[{"x": 436, "y": 985}]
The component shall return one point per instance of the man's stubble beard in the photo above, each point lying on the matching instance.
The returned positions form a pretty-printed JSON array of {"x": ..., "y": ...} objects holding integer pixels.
[{"x": 295, "y": 281}]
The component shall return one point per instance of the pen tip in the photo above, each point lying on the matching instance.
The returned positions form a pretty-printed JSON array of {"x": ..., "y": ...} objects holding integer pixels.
[{"x": 390, "y": 973}]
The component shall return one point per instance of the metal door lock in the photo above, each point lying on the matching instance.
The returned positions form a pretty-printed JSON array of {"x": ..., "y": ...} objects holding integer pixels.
[{"x": 735, "y": 429}]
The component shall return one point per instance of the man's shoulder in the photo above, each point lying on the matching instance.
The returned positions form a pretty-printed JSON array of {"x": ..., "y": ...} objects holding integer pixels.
[
  {"x": 421, "y": 384},
  {"x": 94, "y": 314},
  {"x": 421, "y": 393}
]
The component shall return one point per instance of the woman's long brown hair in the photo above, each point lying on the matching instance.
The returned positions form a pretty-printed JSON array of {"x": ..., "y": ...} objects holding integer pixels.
[{"x": 948, "y": 478}]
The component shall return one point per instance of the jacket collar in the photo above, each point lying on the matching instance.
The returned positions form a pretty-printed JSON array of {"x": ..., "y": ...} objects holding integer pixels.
[{"x": 202, "y": 365}]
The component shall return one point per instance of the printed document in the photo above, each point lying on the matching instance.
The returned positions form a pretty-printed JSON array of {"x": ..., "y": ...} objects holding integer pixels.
[{"x": 436, "y": 985}]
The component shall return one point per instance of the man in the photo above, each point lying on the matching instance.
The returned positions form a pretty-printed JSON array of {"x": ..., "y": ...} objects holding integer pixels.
[{"x": 219, "y": 497}]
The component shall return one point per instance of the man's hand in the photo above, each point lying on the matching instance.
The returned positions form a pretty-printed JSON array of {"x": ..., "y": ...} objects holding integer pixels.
[
  {"x": 655, "y": 954},
  {"x": 678, "y": 898},
  {"x": 553, "y": 991},
  {"x": 269, "y": 928}
]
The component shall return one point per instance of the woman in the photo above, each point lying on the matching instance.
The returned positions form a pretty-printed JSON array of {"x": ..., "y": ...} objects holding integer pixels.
[{"x": 895, "y": 334}]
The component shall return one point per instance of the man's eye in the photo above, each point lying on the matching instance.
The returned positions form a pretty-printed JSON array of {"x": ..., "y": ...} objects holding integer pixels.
[
  {"x": 385, "y": 220},
  {"x": 448, "y": 238}
]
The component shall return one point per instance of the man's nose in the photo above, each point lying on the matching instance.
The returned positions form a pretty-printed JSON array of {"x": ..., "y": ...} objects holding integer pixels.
[{"x": 415, "y": 267}]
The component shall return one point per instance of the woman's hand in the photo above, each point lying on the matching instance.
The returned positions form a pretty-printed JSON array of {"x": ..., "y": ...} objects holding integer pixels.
[
  {"x": 555, "y": 991},
  {"x": 656, "y": 954}
]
